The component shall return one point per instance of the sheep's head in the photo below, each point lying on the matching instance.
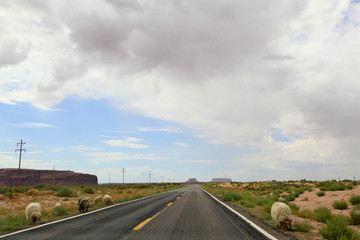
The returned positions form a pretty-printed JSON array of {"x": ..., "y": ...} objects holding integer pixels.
[
  {"x": 35, "y": 217},
  {"x": 286, "y": 224}
]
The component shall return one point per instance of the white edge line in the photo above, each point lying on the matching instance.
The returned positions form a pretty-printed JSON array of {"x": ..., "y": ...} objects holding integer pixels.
[
  {"x": 80, "y": 215},
  {"x": 268, "y": 235}
]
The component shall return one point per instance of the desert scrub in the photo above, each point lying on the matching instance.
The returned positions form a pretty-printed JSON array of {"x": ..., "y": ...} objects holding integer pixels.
[
  {"x": 12, "y": 222},
  {"x": 66, "y": 192},
  {"x": 231, "y": 196},
  {"x": 320, "y": 194},
  {"x": 289, "y": 198},
  {"x": 303, "y": 227},
  {"x": 89, "y": 190},
  {"x": 59, "y": 211},
  {"x": 322, "y": 214},
  {"x": 340, "y": 205},
  {"x": 337, "y": 228},
  {"x": 355, "y": 215},
  {"x": 354, "y": 200},
  {"x": 306, "y": 214}
]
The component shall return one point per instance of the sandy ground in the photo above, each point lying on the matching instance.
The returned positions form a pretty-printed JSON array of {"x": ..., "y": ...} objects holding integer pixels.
[{"x": 311, "y": 201}]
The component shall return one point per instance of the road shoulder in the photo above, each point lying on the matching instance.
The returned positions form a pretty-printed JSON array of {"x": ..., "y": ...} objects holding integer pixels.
[{"x": 265, "y": 226}]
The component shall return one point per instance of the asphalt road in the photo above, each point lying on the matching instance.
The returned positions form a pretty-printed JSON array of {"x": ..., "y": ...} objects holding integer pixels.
[
  {"x": 187, "y": 213},
  {"x": 112, "y": 223},
  {"x": 195, "y": 215}
]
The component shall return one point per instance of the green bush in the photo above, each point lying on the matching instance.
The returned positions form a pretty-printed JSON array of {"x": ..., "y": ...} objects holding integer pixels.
[
  {"x": 337, "y": 228},
  {"x": 303, "y": 227},
  {"x": 306, "y": 214},
  {"x": 231, "y": 196},
  {"x": 89, "y": 190},
  {"x": 12, "y": 222},
  {"x": 289, "y": 198},
  {"x": 267, "y": 207},
  {"x": 322, "y": 214},
  {"x": 66, "y": 192},
  {"x": 320, "y": 194},
  {"x": 340, "y": 205},
  {"x": 355, "y": 200},
  {"x": 355, "y": 215},
  {"x": 59, "y": 211}
]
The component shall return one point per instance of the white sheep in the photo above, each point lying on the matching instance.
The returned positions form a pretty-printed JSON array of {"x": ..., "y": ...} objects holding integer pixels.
[
  {"x": 57, "y": 205},
  {"x": 84, "y": 204},
  {"x": 108, "y": 200},
  {"x": 98, "y": 199},
  {"x": 281, "y": 214},
  {"x": 33, "y": 212}
]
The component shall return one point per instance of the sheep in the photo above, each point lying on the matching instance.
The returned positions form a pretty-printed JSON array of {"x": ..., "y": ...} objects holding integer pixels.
[
  {"x": 281, "y": 214},
  {"x": 33, "y": 212},
  {"x": 108, "y": 200},
  {"x": 84, "y": 204},
  {"x": 98, "y": 199},
  {"x": 57, "y": 205}
]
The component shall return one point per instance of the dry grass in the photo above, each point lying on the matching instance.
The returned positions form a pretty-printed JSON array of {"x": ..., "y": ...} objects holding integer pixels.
[{"x": 12, "y": 206}]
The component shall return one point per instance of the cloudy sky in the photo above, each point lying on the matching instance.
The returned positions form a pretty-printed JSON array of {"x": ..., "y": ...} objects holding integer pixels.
[{"x": 248, "y": 90}]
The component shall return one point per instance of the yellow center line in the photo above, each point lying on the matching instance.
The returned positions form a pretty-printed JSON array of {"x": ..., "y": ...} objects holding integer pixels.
[
  {"x": 142, "y": 224},
  {"x": 178, "y": 198},
  {"x": 138, "y": 227}
]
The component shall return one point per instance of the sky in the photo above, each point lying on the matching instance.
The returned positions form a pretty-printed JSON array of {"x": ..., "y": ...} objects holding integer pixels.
[{"x": 178, "y": 89}]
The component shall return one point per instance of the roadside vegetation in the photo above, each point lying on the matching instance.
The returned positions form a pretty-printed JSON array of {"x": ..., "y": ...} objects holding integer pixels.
[
  {"x": 321, "y": 222},
  {"x": 13, "y": 200}
]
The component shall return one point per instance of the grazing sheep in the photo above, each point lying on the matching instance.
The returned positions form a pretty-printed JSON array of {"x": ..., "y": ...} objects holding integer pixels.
[
  {"x": 57, "y": 205},
  {"x": 98, "y": 199},
  {"x": 33, "y": 212},
  {"x": 281, "y": 214},
  {"x": 84, "y": 204},
  {"x": 108, "y": 200}
]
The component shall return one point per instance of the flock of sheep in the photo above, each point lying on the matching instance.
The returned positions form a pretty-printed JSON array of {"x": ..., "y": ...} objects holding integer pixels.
[{"x": 33, "y": 210}]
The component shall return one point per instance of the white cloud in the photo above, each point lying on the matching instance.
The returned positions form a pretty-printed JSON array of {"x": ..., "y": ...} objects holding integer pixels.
[
  {"x": 181, "y": 144},
  {"x": 199, "y": 64},
  {"x": 162, "y": 129},
  {"x": 33, "y": 125},
  {"x": 201, "y": 161},
  {"x": 127, "y": 142}
]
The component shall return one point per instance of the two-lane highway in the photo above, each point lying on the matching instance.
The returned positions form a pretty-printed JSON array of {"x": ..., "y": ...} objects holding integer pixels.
[
  {"x": 187, "y": 213},
  {"x": 195, "y": 215}
]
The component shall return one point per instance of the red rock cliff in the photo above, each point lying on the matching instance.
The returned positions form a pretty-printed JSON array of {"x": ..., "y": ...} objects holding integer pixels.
[{"x": 29, "y": 177}]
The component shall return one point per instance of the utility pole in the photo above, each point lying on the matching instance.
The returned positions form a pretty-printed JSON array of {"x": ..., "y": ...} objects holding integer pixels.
[
  {"x": 54, "y": 177},
  {"x": 123, "y": 171},
  {"x": 162, "y": 179},
  {"x": 109, "y": 178},
  {"x": 149, "y": 177},
  {"x": 20, "y": 150}
]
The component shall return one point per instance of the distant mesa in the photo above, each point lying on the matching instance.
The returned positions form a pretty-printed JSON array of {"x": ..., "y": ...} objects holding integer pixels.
[
  {"x": 221, "y": 180},
  {"x": 29, "y": 177},
  {"x": 191, "y": 181}
]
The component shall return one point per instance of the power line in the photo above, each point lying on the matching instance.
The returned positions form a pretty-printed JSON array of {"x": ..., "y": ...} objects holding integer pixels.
[{"x": 20, "y": 150}]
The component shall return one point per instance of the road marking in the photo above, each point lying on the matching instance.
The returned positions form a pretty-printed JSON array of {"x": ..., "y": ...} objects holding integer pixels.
[
  {"x": 138, "y": 227},
  {"x": 268, "y": 235},
  {"x": 142, "y": 224}
]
